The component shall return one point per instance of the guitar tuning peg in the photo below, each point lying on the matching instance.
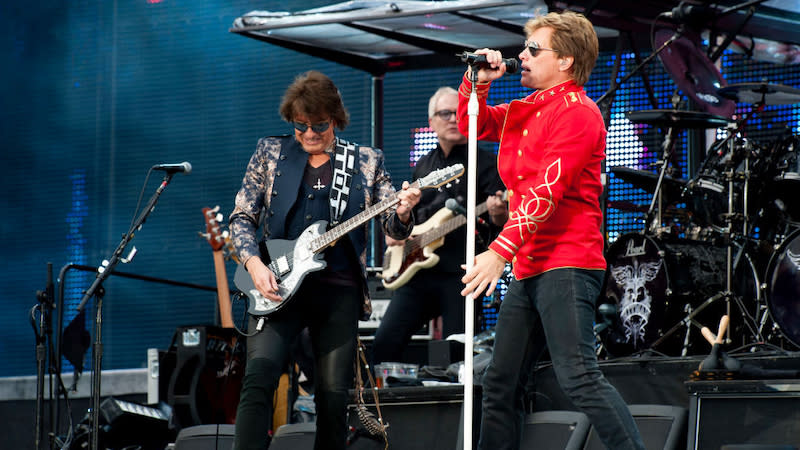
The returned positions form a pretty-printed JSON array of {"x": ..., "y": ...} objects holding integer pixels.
[
  {"x": 226, "y": 234},
  {"x": 215, "y": 209},
  {"x": 218, "y": 217}
]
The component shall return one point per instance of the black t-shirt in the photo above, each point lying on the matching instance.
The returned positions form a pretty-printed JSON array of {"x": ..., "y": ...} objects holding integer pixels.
[{"x": 453, "y": 253}]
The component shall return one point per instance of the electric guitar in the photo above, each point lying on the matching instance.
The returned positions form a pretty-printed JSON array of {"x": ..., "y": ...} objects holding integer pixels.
[
  {"x": 402, "y": 262},
  {"x": 219, "y": 241},
  {"x": 292, "y": 260}
]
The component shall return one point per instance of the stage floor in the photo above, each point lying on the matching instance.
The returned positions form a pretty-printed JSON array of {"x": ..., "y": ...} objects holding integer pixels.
[{"x": 766, "y": 409}]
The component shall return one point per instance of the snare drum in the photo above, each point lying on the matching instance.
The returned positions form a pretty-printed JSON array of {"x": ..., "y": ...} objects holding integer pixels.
[
  {"x": 783, "y": 287},
  {"x": 656, "y": 283}
]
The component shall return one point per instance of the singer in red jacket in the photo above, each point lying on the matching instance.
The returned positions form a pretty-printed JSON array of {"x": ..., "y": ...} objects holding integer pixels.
[{"x": 552, "y": 144}]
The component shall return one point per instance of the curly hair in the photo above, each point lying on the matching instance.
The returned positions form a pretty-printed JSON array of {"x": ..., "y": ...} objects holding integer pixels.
[{"x": 313, "y": 94}]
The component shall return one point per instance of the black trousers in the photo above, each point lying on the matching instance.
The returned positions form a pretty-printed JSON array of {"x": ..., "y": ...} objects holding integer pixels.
[
  {"x": 429, "y": 294},
  {"x": 331, "y": 314}
]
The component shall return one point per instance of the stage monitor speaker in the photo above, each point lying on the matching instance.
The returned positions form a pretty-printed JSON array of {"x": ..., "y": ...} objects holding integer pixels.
[
  {"x": 206, "y": 437},
  {"x": 300, "y": 436},
  {"x": 738, "y": 412},
  {"x": 555, "y": 430},
  {"x": 132, "y": 424},
  {"x": 294, "y": 436},
  {"x": 661, "y": 427}
]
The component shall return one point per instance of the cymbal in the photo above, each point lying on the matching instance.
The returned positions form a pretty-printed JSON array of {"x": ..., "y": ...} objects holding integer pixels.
[
  {"x": 677, "y": 118},
  {"x": 694, "y": 73},
  {"x": 671, "y": 187},
  {"x": 761, "y": 93}
]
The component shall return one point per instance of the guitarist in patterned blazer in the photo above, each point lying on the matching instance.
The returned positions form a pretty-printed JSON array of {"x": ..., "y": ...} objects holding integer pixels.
[
  {"x": 436, "y": 291},
  {"x": 292, "y": 182}
]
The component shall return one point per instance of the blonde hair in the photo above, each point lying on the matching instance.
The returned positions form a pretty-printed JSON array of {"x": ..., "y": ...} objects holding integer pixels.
[{"x": 573, "y": 35}]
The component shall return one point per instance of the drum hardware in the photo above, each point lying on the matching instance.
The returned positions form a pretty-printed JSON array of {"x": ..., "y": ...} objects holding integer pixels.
[
  {"x": 753, "y": 325},
  {"x": 761, "y": 93}
]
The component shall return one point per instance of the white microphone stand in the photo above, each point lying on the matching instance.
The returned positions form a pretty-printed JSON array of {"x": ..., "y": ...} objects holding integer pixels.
[{"x": 469, "y": 312}]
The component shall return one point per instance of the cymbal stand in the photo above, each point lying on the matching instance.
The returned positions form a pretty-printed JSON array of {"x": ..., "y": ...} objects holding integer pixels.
[
  {"x": 730, "y": 218},
  {"x": 655, "y": 222},
  {"x": 730, "y": 261}
]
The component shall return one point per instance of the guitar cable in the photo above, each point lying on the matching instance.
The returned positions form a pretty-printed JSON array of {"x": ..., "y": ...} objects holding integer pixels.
[{"x": 239, "y": 295}]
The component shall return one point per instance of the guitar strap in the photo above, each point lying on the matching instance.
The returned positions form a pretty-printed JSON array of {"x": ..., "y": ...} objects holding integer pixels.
[{"x": 344, "y": 160}]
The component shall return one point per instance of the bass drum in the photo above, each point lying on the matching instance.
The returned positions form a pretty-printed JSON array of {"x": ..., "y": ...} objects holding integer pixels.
[
  {"x": 783, "y": 288},
  {"x": 655, "y": 283}
]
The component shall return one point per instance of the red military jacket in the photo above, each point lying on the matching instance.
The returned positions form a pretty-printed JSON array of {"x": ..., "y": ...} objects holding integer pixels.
[{"x": 552, "y": 144}]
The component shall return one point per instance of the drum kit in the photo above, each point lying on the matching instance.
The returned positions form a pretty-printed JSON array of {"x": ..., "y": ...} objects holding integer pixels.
[{"x": 725, "y": 241}]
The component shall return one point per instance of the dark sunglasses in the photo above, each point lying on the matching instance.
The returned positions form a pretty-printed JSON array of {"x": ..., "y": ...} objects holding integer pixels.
[
  {"x": 316, "y": 128},
  {"x": 445, "y": 114},
  {"x": 534, "y": 48}
]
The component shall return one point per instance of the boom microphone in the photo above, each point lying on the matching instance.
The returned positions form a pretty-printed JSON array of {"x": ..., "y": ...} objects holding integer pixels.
[
  {"x": 184, "y": 167},
  {"x": 512, "y": 65},
  {"x": 453, "y": 205}
]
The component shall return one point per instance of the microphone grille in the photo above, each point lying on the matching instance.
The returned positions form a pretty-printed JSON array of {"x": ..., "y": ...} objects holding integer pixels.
[
  {"x": 187, "y": 167},
  {"x": 512, "y": 66}
]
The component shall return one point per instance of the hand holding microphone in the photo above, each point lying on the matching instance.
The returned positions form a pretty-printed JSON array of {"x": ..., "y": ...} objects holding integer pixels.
[{"x": 490, "y": 62}]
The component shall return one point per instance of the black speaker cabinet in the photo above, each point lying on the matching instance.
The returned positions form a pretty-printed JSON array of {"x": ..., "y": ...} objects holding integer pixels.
[
  {"x": 206, "y": 437},
  {"x": 300, "y": 436},
  {"x": 420, "y": 417},
  {"x": 201, "y": 375},
  {"x": 661, "y": 427},
  {"x": 734, "y": 413},
  {"x": 555, "y": 430}
]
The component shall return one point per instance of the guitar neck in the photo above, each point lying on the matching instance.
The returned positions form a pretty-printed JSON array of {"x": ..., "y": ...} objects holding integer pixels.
[
  {"x": 336, "y": 233},
  {"x": 448, "y": 226},
  {"x": 433, "y": 179},
  {"x": 223, "y": 292}
]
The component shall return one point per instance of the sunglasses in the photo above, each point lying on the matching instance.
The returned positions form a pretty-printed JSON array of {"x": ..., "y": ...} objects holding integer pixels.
[
  {"x": 534, "y": 48},
  {"x": 316, "y": 128},
  {"x": 445, "y": 114}
]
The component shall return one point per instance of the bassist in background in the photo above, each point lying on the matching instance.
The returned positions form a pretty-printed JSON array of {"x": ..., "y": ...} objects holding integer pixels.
[
  {"x": 436, "y": 291},
  {"x": 290, "y": 183}
]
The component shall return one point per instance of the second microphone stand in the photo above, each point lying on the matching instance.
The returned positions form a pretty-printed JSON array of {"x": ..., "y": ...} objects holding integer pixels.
[{"x": 96, "y": 290}]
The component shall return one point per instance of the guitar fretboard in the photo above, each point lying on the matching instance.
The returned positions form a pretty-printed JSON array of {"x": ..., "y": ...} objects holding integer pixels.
[{"x": 431, "y": 235}]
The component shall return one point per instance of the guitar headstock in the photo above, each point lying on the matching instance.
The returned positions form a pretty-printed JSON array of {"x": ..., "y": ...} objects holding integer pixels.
[
  {"x": 216, "y": 237},
  {"x": 440, "y": 177}
]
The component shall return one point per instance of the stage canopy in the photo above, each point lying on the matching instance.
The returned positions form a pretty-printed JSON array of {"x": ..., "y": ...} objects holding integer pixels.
[{"x": 383, "y": 36}]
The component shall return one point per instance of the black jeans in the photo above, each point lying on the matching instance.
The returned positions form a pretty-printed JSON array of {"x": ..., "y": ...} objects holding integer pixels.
[
  {"x": 429, "y": 294},
  {"x": 331, "y": 314},
  {"x": 554, "y": 310}
]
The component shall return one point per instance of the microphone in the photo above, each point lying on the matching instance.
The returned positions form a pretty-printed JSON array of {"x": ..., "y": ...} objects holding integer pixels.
[
  {"x": 693, "y": 15},
  {"x": 512, "y": 65},
  {"x": 453, "y": 205},
  {"x": 184, "y": 167}
]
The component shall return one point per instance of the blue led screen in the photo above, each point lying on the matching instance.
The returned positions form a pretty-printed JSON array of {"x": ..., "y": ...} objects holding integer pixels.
[{"x": 95, "y": 93}]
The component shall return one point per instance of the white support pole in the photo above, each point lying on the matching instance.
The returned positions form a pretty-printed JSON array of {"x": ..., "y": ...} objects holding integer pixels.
[{"x": 469, "y": 314}]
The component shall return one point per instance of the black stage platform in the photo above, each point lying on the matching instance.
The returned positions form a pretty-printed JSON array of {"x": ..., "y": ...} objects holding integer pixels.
[{"x": 720, "y": 412}]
